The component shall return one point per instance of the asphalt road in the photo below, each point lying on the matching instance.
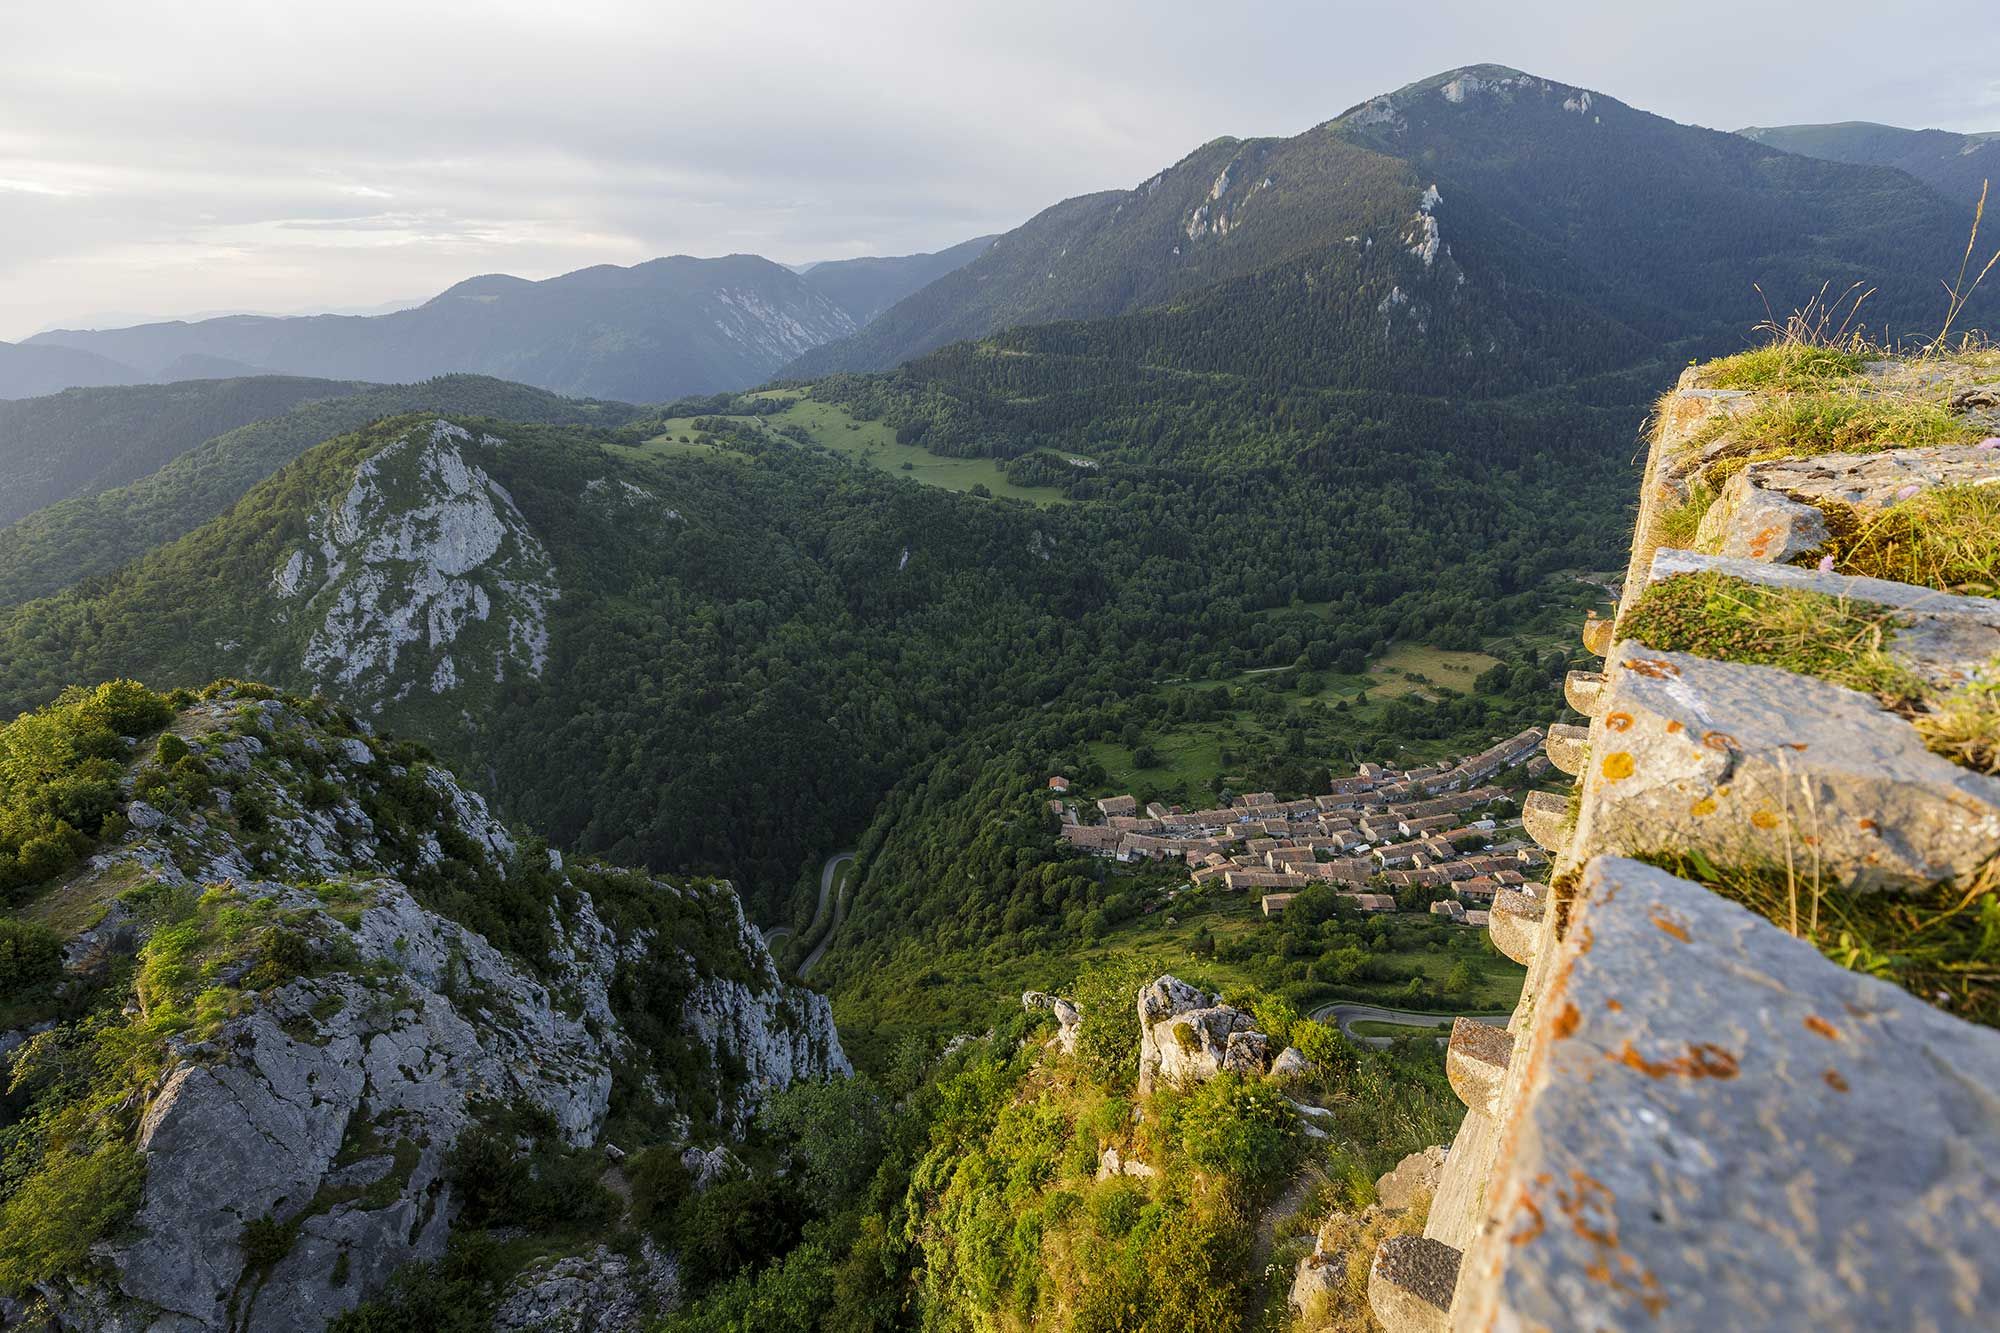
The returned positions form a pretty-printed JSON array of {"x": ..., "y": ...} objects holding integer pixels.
[
  {"x": 1344, "y": 1014},
  {"x": 826, "y": 875}
]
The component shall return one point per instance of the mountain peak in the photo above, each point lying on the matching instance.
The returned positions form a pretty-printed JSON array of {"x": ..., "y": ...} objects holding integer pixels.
[{"x": 1467, "y": 84}]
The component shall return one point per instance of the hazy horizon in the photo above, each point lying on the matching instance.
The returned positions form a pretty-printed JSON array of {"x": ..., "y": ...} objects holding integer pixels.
[{"x": 220, "y": 156}]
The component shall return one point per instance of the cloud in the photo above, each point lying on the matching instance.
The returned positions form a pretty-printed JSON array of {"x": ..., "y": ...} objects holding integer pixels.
[{"x": 273, "y": 154}]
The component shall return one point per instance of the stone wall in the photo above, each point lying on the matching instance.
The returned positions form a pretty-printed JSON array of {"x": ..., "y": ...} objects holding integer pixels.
[{"x": 1695, "y": 1119}]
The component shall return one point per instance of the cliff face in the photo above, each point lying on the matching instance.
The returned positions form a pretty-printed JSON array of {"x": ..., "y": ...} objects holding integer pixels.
[
  {"x": 1751, "y": 1079},
  {"x": 311, "y": 1035}
]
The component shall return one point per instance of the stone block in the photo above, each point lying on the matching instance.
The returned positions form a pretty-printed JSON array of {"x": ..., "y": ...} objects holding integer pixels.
[
  {"x": 1751, "y": 523},
  {"x": 1755, "y": 764},
  {"x": 1515, "y": 923},
  {"x": 1567, "y": 746},
  {"x": 1596, "y": 635},
  {"x": 1718, "y": 1128},
  {"x": 1585, "y": 691},
  {"x": 1475, "y": 1062},
  {"x": 1545, "y": 816},
  {"x": 1410, "y": 1284}
]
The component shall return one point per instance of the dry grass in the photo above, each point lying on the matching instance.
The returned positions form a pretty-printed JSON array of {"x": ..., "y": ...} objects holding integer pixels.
[
  {"x": 1964, "y": 725},
  {"x": 1677, "y": 526},
  {"x": 1783, "y": 366},
  {"x": 1942, "y": 945},
  {"x": 1946, "y": 538},
  {"x": 1833, "y": 421},
  {"x": 1351, "y": 1240}
]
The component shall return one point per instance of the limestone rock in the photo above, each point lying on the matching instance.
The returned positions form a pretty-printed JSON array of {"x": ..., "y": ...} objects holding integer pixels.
[
  {"x": 1412, "y": 1180},
  {"x": 1722, "y": 1129},
  {"x": 599, "y": 1292},
  {"x": 1069, "y": 1018},
  {"x": 1186, "y": 1036},
  {"x": 1291, "y": 1063},
  {"x": 1741, "y": 761},
  {"x": 1111, "y": 1163},
  {"x": 1410, "y": 1284},
  {"x": 1749, "y": 522}
]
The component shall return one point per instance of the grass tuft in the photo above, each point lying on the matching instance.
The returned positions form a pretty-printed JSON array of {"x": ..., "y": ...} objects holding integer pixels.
[
  {"x": 1946, "y": 538},
  {"x": 1784, "y": 365},
  {"x": 1942, "y": 945},
  {"x": 1715, "y": 616},
  {"x": 1964, "y": 725},
  {"x": 1834, "y": 421}
]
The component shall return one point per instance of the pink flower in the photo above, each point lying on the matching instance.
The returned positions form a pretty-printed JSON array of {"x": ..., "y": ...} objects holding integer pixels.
[
  {"x": 1907, "y": 491},
  {"x": 1990, "y": 442},
  {"x": 1826, "y": 564}
]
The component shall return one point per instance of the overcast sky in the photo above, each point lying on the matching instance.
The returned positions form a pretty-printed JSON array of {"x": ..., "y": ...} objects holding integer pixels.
[{"x": 168, "y": 159}]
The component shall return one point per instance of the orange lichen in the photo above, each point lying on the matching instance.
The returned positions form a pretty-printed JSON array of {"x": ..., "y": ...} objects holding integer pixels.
[
  {"x": 1670, "y": 926},
  {"x": 1834, "y": 1080},
  {"x": 1702, "y": 808},
  {"x": 1532, "y": 1224},
  {"x": 1614, "y": 1006},
  {"x": 1720, "y": 740},
  {"x": 1653, "y": 668},
  {"x": 1618, "y": 766},
  {"x": 1565, "y": 1021},
  {"x": 1617, "y": 721},
  {"x": 1703, "y": 1060},
  {"x": 1816, "y": 1024},
  {"x": 1764, "y": 819},
  {"x": 1673, "y": 726}
]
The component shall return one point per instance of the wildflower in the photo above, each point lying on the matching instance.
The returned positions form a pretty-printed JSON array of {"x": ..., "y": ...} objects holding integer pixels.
[
  {"x": 1990, "y": 442},
  {"x": 1826, "y": 564},
  {"x": 1907, "y": 491}
]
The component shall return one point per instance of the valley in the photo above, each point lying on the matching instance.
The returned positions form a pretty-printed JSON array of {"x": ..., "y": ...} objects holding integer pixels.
[{"x": 954, "y": 793}]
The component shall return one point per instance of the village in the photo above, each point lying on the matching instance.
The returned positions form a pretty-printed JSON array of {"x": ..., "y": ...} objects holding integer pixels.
[{"x": 1384, "y": 829}]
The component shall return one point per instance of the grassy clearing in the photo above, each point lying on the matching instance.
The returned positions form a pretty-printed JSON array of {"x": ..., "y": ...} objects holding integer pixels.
[
  {"x": 1942, "y": 946},
  {"x": 832, "y": 427},
  {"x": 1713, "y": 615},
  {"x": 1946, "y": 538}
]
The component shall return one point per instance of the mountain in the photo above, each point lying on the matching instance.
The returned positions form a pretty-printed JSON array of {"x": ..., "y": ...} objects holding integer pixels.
[
  {"x": 651, "y": 332},
  {"x": 83, "y": 441},
  {"x": 287, "y": 1008},
  {"x": 864, "y": 288},
  {"x": 1571, "y": 217},
  {"x": 93, "y": 533},
  {"x": 30, "y": 369},
  {"x": 1956, "y": 165}
]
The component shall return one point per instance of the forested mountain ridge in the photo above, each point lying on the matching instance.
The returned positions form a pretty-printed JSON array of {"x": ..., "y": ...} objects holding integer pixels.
[
  {"x": 1606, "y": 231},
  {"x": 1956, "y": 165},
  {"x": 865, "y": 287},
  {"x": 30, "y": 369},
  {"x": 88, "y": 535},
  {"x": 644, "y": 333},
  {"x": 83, "y": 441}
]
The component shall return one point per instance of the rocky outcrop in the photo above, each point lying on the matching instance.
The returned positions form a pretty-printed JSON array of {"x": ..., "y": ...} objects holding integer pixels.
[
  {"x": 424, "y": 575},
  {"x": 1069, "y": 1019},
  {"x": 322, "y": 1110},
  {"x": 1186, "y": 1036}
]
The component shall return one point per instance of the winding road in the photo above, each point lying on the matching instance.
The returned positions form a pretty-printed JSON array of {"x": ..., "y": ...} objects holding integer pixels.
[
  {"x": 826, "y": 877},
  {"x": 1344, "y": 1014}
]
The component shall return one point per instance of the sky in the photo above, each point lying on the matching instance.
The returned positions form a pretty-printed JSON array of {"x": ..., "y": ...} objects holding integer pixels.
[{"x": 173, "y": 159}]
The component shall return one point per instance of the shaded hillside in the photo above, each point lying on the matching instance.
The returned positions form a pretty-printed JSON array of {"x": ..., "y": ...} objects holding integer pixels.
[
  {"x": 28, "y": 370},
  {"x": 864, "y": 288},
  {"x": 650, "y": 332},
  {"x": 83, "y": 441},
  {"x": 1956, "y": 165},
  {"x": 89, "y": 535}
]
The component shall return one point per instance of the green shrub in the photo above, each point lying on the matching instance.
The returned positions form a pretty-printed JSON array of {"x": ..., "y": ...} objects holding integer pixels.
[
  {"x": 49, "y": 1223},
  {"x": 30, "y": 957}
]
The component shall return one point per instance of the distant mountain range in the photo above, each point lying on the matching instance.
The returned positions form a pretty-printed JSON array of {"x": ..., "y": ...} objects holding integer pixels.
[
  {"x": 650, "y": 332},
  {"x": 1574, "y": 218},
  {"x": 1957, "y": 165}
]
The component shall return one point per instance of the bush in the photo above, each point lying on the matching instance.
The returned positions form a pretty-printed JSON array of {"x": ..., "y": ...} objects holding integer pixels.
[
  {"x": 1238, "y": 1129},
  {"x": 49, "y": 1223},
  {"x": 30, "y": 957}
]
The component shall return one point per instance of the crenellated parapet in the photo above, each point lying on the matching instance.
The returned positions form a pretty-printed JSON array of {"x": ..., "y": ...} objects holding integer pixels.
[{"x": 1753, "y": 1080}]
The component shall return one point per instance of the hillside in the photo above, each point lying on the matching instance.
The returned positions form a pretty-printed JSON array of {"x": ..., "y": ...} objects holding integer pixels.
[
  {"x": 647, "y": 333},
  {"x": 92, "y": 534},
  {"x": 1579, "y": 225},
  {"x": 1955, "y": 165},
  {"x": 287, "y": 1011},
  {"x": 30, "y": 369},
  {"x": 864, "y": 288},
  {"x": 83, "y": 441}
]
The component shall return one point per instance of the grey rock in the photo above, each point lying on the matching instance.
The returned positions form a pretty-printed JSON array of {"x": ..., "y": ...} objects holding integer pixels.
[
  {"x": 1188, "y": 1037},
  {"x": 1410, "y": 1284},
  {"x": 1291, "y": 1063},
  {"x": 1743, "y": 762},
  {"x": 356, "y": 751},
  {"x": 1411, "y": 1181},
  {"x": 1725, "y": 1130},
  {"x": 143, "y": 817},
  {"x": 1751, "y": 523},
  {"x": 1069, "y": 1018},
  {"x": 599, "y": 1292}
]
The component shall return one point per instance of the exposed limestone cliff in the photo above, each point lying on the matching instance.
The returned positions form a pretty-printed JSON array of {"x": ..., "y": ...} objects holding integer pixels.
[{"x": 314, "y": 1023}]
